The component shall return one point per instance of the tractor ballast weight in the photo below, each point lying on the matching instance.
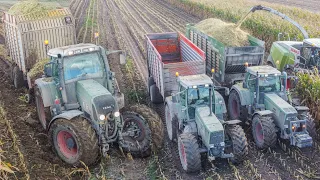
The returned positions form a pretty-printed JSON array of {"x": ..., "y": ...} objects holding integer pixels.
[
  {"x": 79, "y": 105},
  {"x": 262, "y": 100},
  {"x": 195, "y": 113}
]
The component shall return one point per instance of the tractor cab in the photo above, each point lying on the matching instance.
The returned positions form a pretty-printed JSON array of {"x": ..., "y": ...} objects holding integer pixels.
[
  {"x": 198, "y": 91},
  {"x": 264, "y": 79},
  {"x": 310, "y": 53}
]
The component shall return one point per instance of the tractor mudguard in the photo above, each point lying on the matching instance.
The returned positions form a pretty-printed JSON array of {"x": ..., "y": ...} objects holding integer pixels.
[
  {"x": 263, "y": 113},
  {"x": 48, "y": 90},
  {"x": 244, "y": 94},
  {"x": 232, "y": 122},
  {"x": 66, "y": 115}
]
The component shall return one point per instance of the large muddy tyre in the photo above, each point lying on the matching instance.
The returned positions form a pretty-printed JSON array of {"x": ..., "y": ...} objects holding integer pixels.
[
  {"x": 136, "y": 135},
  {"x": 311, "y": 126},
  {"x": 44, "y": 114},
  {"x": 155, "y": 96},
  {"x": 171, "y": 124},
  {"x": 189, "y": 153},
  {"x": 264, "y": 131},
  {"x": 239, "y": 144},
  {"x": 18, "y": 80},
  {"x": 234, "y": 106},
  {"x": 74, "y": 141},
  {"x": 155, "y": 124}
]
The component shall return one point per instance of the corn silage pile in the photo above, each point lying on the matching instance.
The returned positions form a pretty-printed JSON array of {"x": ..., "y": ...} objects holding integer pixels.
[
  {"x": 38, "y": 68},
  {"x": 29, "y": 7},
  {"x": 227, "y": 33}
]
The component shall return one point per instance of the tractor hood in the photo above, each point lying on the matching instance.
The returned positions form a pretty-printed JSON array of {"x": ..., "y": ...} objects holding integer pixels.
[
  {"x": 280, "y": 108},
  {"x": 95, "y": 99},
  {"x": 209, "y": 127}
]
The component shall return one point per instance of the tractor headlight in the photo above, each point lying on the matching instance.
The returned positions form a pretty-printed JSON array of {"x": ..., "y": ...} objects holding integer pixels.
[
  {"x": 102, "y": 117},
  {"x": 117, "y": 114}
]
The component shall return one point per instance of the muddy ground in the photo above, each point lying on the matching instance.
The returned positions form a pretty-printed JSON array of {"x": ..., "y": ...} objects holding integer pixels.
[{"x": 122, "y": 24}]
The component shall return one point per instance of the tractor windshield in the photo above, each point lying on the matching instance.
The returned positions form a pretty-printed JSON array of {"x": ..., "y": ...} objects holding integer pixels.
[
  {"x": 198, "y": 96},
  {"x": 270, "y": 83},
  {"x": 88, "y": 65}
]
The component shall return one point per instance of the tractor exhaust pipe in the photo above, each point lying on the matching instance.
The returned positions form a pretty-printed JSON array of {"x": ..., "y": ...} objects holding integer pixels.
[
  {"x": 257, "y": 89},
  {"x": 210, "y": 100}
]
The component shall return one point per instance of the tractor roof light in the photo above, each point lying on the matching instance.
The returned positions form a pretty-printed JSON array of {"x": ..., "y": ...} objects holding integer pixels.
[
  {"x": 206, "y": 85},
  {"x": 70, "y": 53},
  {"x": 194, "y": 87},
  {"x": 212, "y": 70},
  {"x": 91, "y": 49},
  {"x": 117, "y": 114},
  {"x": 177, "y": 74},
  {"x": 246, "y": 64}
]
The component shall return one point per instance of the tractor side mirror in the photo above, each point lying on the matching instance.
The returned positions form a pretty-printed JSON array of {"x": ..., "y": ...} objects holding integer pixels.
[
  {"x": 48, "y": 70},
  {"x": 123, "y": 58}
]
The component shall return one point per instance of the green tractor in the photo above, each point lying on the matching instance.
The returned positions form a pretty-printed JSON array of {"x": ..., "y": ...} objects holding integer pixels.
[
  {"x": 195, "y": 117},
  {"x": 78, "y": 104},
  {"x": 262, "y": 100}
]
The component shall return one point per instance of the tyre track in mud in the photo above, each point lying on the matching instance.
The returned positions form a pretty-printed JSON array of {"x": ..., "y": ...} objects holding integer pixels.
[{"x": 81, "y": 16}]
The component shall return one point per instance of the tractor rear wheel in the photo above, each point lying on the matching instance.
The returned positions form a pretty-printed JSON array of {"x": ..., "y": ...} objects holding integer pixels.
[
  {"x": 154, "y": 121},
  {"x": 239, "y": 143},
  {"x": 44, "y": 114},
  {"x": 18, "y": 80},
  {"x": 74, "y": 141},
  {"x": 171, "y": 124},
  {"x": 136, "y": 135},
  {"x": 189, "y": 153},
  {"x": 264, "y": 131},
  {"x": 155, "y": 95},
  {"x": 234, "y": 106}
]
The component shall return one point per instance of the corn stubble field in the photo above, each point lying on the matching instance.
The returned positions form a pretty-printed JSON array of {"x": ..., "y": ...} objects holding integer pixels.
[{"x": 122, "y": 24}]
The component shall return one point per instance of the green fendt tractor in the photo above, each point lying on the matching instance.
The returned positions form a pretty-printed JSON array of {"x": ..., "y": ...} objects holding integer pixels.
[
  {"x": 79, "y": 105},
  {"x": 262, "y": 100},
  {"x": 195, "y": 112}
]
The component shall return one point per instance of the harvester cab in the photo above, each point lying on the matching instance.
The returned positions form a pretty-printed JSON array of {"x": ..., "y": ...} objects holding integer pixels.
[
  {"x": 310, "y": 53},
  {"x": 262, "y": 99},
  {"x": 195, "y": 116},
  {"x": 79, "y": 105}
]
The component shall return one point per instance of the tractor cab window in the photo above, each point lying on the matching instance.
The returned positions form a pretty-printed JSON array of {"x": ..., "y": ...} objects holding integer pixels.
[
  {"x": 183, "y": 96},
  {"x": 197, "y": 96},
  {"x": 270, "y": 83},
  {"x": 311, "y": 56},
  {"x": 84, "y": 65},
  {"x": 252, "y": 81},
  {"x": 55, "y": 70}
]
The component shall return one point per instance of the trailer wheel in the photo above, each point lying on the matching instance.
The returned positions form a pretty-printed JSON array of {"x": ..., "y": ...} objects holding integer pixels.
[
  {"x": 44, "y": 113},
  {"x": 155, "y": 95},
  {"x": 239, "y": 143},
  {"x": 264, "y": 131},
  {"x": 154, "y": 121},
  {"x": 171, "y": 124},
  {"x": 18, "y": 80},
  {"x": 74, "y": 141},
  {"x": 136, "y": 135},
  {"x": 234, "y": 106},
  {"x": 150, "y": 83},
  {"x": 189, "y": 153}
]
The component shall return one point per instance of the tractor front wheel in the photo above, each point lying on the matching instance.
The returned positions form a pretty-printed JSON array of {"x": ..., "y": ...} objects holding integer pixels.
[
  {"x": 189, "y": 153},
  {"x": 154, "y": 121},
  {"x": 239, "y": 143},
  {"x": 136, "y": 135},
  {"x": 311, "y": 126},
  {"x": 264, "y": 131},
  {"x": 44, "y": 114},
  {"x": 74, "y": 141}
]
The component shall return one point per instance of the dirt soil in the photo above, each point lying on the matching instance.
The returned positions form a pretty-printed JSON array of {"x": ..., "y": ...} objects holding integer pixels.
[
  {"x": 311, "y": 5},
  {"x": 122, "y": 24}
]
